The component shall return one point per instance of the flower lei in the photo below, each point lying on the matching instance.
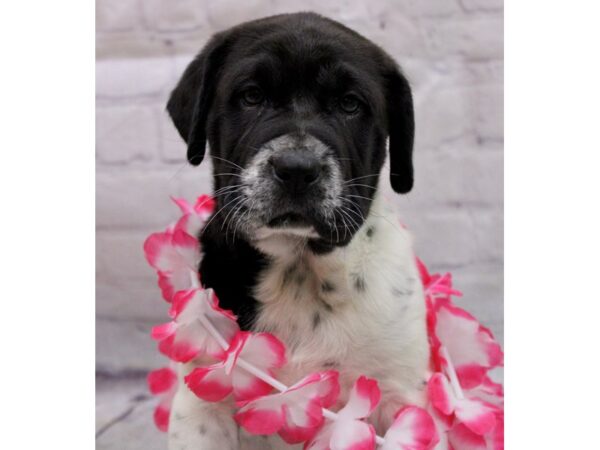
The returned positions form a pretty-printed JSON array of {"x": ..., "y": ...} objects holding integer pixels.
[{"x": 464, "y": 409}]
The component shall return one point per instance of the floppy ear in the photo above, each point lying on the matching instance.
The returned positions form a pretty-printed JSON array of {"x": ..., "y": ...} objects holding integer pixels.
[
  {"x": 401, "y": 128},
  {"x": 191, "y": 99}
]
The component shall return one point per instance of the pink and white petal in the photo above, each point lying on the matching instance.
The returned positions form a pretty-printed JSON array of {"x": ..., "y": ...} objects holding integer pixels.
[
  {"x": 495, "y": 441},
  {"x": 423, "y": 272},
  {"x": 184, "y": 206},
  {"x": 226, "y": 328},
  {"x": 440, "y": 394},
  {"x": 161, "y": 417},
  {"x": 468, "y": 343},
  {"x": 301, "y": 423},
  {"x": 489, "y": 392},
  {"x": 188, "y": 307},
  {"x": 323, "y": 386},
  {"x": 159, "y": 252},
  {"x": 412, "y": 429},
  {"x": 195, "y": 337},
  {"x": 172, "y": 282},
  {"x": 181, "y": 301},
  {"x": 264, "y": 351},
  {"x": 329, "y": 388},
  {"x": 263, "y": 416},
  {"x": 190, "y": 223},
  {"x": 322, "y": 439},
  {"x": 187, "y": 247},
  {"x": 352, "y": 435},
  {"x": 471, "y": 375},
  {"x": 166, "y": 286},
  {"x": 209, "y": 383},
  {"x": 443, "y": 422},
  {"x": 178, "y": 350},
  {"x": 475, "y": 415},
  {"x": 204, "y": 206},
  {"x": 364, "y": 397},
  {"x": 214, "y": 304},
  {"x": 246, "y": 386},
  {"x": 161, "y": 380},
  {"x": 461, "y": 438},
  {"x": 163, "y": 331}
]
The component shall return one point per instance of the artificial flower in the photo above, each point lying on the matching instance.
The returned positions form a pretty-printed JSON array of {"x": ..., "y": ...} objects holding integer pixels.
[
  {"x": 263, "y": 351},
  {"x": 296, "y": 413},
  {"x": 349, "y": 431},
  {"x": 187, "y": 336}
]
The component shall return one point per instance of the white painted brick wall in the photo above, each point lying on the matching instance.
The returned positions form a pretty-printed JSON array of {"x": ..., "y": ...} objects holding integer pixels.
[{"x": 451, "y": 50}]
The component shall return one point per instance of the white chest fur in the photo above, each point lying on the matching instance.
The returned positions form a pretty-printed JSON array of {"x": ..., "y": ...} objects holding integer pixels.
[{"x": 358, "y": 310}]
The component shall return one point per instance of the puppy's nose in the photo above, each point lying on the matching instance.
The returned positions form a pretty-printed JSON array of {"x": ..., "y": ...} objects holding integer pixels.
[{"x": 296, "y": 170}]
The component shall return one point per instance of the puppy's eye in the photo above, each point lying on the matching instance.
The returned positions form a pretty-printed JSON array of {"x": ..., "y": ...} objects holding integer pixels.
[
  {"x": 253, "y": 96},
  {"x": 349, "y": 104}
]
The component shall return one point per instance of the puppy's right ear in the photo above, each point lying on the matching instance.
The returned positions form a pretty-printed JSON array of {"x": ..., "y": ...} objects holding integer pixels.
[{"x": 191, "y": 99}]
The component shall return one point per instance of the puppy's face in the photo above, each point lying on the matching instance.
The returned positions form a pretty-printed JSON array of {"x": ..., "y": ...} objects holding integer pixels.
[{"x": 296, "y": 110}]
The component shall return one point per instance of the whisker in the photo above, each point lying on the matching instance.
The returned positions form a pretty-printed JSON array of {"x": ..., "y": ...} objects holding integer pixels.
[
  {"x": 227, "y": 173},
  {"x": 353, "y": 222},
  {"x": 227, "y": 161},
  {"x": 359, "y": 214},
  {"x": 360, "y": 178},
  {"x": 219, "y": 211},
  {"x": 359, "y": 196},
  {"x": 363, "y": 185},
  {"x": 229, "y": 186},
  {"x": 235, "y": 210}
]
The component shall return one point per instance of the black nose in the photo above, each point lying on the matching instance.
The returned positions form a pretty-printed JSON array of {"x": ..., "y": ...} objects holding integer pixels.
[{"x": 296, "y": 170}]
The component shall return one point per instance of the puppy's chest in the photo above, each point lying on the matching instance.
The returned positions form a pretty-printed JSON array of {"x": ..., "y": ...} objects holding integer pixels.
[{"x": 336, "y": 313}]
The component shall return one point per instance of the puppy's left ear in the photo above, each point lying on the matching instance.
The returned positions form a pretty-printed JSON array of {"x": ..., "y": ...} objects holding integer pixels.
[
  {"x": 192, "y": 98},
  {"x": 401, "y": 129}
]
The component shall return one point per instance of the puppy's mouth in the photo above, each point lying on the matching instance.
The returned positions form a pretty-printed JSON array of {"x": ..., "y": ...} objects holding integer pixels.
[{"x": 290, "y": 220}]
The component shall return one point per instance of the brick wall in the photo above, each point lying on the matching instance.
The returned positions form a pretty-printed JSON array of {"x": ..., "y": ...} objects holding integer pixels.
[{"x": 451, "y": 50}]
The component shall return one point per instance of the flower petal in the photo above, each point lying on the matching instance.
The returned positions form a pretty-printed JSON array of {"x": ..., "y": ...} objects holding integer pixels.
[
  {"x": 471, "y": 346},
  {"x": 300, "y": 407},
  {"x": 175, "y": 255},
  {"x": 263, "y": 416},
  {"x": 204, "y": 206},
  {"x": 209, "y": 383},
  {"x": 177, "y": 348},
  {"x": 161, "y": 417},
  {"x": 301, "y": 423},
  {"x": 475, "y": 415},
  {"x": 163, "y": 331},
  {"x": 321, "y": 441},
  {"x": 363, "y": 399},
  {"x": 264, "y": 351},
  {"x": 247, "y": 386},
  {"x": 187, "y": 336},
  {"x": 195, "y": 217},
  {"x": 461, "y": 438},
  {"x": 440, "y": 393},
  {"x": 496, "y": 439},
  {"x": 412, "y": 429},
  {"x": 351, "y": 434},
  {"x": 161, "y": 380}
]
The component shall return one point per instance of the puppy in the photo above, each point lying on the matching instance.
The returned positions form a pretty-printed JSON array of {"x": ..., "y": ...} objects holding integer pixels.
[{"x": 296, "y": 110}]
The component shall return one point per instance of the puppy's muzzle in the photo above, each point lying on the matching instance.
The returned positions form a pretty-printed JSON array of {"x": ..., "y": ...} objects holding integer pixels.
[{"x": 296, "y": 170}]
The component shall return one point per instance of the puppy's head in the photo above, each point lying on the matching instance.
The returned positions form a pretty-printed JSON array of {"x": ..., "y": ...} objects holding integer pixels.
[{"x": 296, "y": 110}]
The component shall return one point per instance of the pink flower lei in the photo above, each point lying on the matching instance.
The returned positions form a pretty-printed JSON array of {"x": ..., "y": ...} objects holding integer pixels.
[{"x": 464, "y": 410}]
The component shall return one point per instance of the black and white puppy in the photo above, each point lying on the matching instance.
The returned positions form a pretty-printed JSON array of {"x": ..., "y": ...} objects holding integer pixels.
[{"x": 297, "y": 110}]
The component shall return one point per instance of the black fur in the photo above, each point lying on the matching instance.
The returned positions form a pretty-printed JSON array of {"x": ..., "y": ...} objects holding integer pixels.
[
  {"x": 305, "y": 65},
  {"x": 231, "y": 270}
]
